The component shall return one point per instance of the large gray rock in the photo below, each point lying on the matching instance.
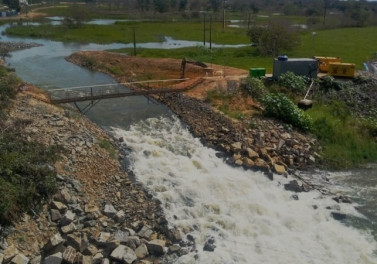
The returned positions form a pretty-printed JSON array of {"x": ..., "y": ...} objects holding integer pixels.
[
  {"x": 103, "y": 237},
  {"x": 123, "y": 253},
  {"x": 122, "y": 236},
  {"x": 145, "y": 232},
  {"x": 109, "y": 210},
  {"x": 56, "y": 258},
  {"x": 68, "y": 228},
  {"x": 59, "y": 206},
  {"x": 63, "y": 196},
  {"x": 53, "y": 243},
  {"x": 142, "y": 251},
  {"x": 10, "y": 252},
  {"x": 69, "y": 255},
  {"x": 133, "y": 242},
  {"x": 120, "y": 216},
  {"x": 55, "y": 215},
  {"x": 156, "y": 246},
  {"x": 68, "y": 218},
  {"x": 20, "y": 259}
]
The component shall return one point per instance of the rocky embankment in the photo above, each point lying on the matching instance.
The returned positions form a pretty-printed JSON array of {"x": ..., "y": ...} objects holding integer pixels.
[
  {"x": 265, "y": 145},
  {"x": 98, "y": 215},
  {"x": 6, "y": 47}
]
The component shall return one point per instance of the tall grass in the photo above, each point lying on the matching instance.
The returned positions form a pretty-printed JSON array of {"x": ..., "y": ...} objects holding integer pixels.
[{"x": 345, "y": 143}]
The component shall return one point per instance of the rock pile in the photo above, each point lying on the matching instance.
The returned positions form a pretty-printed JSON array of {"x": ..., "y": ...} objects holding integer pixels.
[
  {"x": 267, "y": 145},
  {"x": 98, "y": 215}
]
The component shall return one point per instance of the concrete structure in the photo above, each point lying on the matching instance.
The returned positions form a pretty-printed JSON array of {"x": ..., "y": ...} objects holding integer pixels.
[{"x": 299, "y": 66}]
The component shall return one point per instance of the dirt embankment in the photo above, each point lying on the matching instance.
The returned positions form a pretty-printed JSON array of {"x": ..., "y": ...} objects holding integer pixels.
[{"x": 254, "y": 142}]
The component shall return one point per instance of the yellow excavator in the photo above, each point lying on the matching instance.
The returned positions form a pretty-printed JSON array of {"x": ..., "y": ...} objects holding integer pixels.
[{"x": 183, "y": 66}]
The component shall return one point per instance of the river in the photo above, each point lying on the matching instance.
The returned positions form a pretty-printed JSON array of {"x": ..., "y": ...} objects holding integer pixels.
[{"x": 241, "y": 214}]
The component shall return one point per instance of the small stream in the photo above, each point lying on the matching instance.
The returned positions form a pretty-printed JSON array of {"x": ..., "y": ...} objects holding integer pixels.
[{"x": 248, "y": 218}]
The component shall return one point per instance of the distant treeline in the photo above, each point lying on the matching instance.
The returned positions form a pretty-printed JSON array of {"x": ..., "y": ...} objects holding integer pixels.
[{"x": 352, "y": 12}]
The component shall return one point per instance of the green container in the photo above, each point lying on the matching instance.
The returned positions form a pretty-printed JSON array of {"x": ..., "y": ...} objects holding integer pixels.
[{"x": 257, "y": 72}]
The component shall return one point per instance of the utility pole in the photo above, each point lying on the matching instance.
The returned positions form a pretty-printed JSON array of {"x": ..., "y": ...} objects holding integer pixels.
[
  {"x": 204, "y": 31},
  {"x": 134, "y": 31},
  {"x": 224, "y": 15},
  {"x": 210, "y": 32}
]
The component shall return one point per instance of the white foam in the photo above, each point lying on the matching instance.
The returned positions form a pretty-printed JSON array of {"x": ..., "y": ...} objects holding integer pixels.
[{"x": 252, "y": 219}]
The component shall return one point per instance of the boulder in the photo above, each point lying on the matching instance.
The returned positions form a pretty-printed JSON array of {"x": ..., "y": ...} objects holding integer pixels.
[
  {"x": 156, "y": 246},
  {"x": 10, "y": 252},
  {"x": 293, "y": 186},
  {"x": 68, "y": 218},
  {"x": 20, "y": 259},
  {"x": 145, "y": 232},
  {"x": 338, "y": 215},
  {"x": 59, "y": 206},
  {"x": 209, "y": 244},
  {"x": 53, "y": 243},
  {"x": 56, "y": 258},
  {"x": 55, "y": 215},
  {"x": 109, "y": 210},
  {"x": 69, "y": 255},
  {"x": 252, "y": 154},
  {"x": 123, "y": 253},
  {"x": 68, "y": 228},
  {"x": 236, "y": 147},
  {"x": 142, "y": 251},
  {"x": 279, "y": 169}
]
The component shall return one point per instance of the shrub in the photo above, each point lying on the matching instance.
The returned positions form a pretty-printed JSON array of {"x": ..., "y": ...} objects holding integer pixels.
[
  {"x": 330, "y": 83},
  {"x": 106, "y": 144},
  {"x": 282, "y": 108},
  {"x": 293, "y": 82},
  {"x": 26, "y": 179},
  {"x": 8, "y": 89},
  {"x": 254, "y": 87}
]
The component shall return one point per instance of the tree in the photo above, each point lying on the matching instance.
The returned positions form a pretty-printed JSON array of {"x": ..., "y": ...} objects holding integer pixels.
[
  {"x": 270, "y": 39},
  {"x": 13, "y": 4},
  {"x": 160, "y": 6}
]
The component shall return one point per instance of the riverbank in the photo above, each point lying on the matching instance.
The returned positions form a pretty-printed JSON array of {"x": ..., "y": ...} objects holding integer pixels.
[{"x": 98, "y": 213}]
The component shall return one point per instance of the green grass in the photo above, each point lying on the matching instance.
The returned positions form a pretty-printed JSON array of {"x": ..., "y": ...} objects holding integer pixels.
[
  {"x": 346, "y": 143},
  {"x": 123, "y": 32},
  {"x": 106, "y": 144},
  {"x": 352, "y": 45}
]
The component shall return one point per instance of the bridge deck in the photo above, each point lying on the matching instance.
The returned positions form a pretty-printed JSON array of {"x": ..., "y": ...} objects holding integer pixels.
[{"x": 107, "y": 91}]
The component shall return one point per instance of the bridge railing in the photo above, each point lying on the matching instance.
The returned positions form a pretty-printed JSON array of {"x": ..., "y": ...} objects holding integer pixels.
[{"x": 104, "y": 90}]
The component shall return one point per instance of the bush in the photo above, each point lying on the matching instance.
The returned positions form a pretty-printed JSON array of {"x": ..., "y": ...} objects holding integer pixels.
[
  {"x": 26, "y": 179},
  {"x": 293, "y": 82},
  {"x": 254, "y": 87},
  {"x": 106, "y": 144},
  {"x": 282, "y": 108},
  {"x": 329, "y": 83},
  {"x": 8, "y": 89}
]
